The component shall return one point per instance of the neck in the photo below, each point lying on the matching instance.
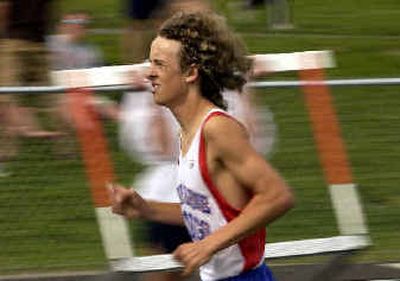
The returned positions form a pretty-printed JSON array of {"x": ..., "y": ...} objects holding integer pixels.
[{"x": 191, "y": 113}]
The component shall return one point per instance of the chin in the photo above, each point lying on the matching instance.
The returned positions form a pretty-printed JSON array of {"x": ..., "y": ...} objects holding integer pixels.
[
  {"x": 163, "y": 100},
  {"x": 158, "y": 101}
]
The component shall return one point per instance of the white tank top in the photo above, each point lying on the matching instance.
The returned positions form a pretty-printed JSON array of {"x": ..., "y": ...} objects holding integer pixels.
[{"x": 205, "y": 210}]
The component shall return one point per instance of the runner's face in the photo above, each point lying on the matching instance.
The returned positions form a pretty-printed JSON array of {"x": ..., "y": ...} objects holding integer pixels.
[{"x": 165, "y": 73}]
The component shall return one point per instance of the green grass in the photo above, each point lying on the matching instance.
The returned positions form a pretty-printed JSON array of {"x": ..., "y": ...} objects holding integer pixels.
[{"x": 46, "y": 217}]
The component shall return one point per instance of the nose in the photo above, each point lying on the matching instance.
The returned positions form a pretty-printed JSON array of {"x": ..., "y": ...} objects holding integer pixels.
[{"x": 150, "y": 73}]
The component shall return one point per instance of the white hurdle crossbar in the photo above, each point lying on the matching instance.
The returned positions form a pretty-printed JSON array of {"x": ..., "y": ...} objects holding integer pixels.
[
  {"x": 119, "y": 74},
  {"x": 287, "y": 249}
]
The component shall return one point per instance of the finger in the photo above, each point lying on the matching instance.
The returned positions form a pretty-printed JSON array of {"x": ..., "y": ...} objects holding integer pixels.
[
  {"x": 188, "y": 271},
  {"x": 178, "y": 253},
  {"x": 187, "y": 257},
  {"x": 190, "y": 265},
  {"x": 115, "y": 197},
  {"x": 112, "y": 195},
  {"x": 110, "y": 189},
  {"x": 135, "y": 197},
  {"x": 120, "y": 193}
]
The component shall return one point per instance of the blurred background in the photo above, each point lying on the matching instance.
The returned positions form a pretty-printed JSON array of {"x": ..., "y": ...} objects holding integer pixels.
[{"x": 47, "y": 219}]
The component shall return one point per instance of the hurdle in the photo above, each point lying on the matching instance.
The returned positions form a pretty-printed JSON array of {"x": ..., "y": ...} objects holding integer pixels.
[
  {"x": 310, "y": 66},
  {"x": 326, "y": 130}
]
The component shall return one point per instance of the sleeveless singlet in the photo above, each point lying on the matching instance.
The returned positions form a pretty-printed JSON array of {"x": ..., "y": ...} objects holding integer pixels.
[{"x": 205, "y": 210}]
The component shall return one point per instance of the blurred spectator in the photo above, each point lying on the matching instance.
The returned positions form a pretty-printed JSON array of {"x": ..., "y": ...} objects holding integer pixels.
[
  {"x": 23, "y": 62},
  {"x": 69, "y": 46},
  {"x": 279, "y": 12},
  {"x": 143, "y": 16},
  {"x": 70, "y": 49}
]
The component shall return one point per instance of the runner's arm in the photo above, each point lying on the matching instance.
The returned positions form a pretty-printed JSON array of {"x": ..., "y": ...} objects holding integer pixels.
[
  {"x": 271, "y": 197},
  {"x": 130, "y": 204}
]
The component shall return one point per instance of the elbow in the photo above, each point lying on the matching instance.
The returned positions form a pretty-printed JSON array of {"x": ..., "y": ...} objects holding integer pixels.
[
  {"x": 285, "y": 201},
  {"x": 289, "y": 200}
]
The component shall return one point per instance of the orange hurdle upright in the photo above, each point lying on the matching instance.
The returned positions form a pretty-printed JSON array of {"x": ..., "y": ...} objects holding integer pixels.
[
  {"x": 99, "y": 171},
  {"x": 331, "y": 149}
]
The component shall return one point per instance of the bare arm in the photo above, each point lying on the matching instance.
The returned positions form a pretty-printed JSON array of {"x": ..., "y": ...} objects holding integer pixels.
[
  {"x": 168, "y": 213},
  {"x": 271, "y": 197},
  {"x": 130, "y": 204}
]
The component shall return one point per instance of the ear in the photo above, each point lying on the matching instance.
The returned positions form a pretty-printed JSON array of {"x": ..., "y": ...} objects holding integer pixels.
[{"x": 192, "y": 73}]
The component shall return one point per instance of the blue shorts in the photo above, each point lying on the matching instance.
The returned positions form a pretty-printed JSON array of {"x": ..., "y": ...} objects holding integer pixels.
[{"x": 261, "y": 273}]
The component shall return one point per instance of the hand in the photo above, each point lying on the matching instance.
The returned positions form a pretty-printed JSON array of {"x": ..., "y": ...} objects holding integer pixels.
[
  {"x": 127, "y": 202},
  {"x": 193, "y": 255}
]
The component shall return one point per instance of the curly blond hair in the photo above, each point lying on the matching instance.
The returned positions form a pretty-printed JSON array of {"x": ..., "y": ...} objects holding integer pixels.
[{"x": 208, "y": 43}]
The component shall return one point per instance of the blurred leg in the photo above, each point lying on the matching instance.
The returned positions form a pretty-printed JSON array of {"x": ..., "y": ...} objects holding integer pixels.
[
  {"x": 8, "y": 107},
  {"x": 165, "y": 238}
]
